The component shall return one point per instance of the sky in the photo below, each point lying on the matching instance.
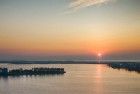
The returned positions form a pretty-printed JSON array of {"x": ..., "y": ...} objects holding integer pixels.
[{"x": 69, "y": 29}]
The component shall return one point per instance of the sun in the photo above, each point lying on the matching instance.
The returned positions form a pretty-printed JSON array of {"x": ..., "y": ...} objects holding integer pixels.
[{"x": 99, "y": 54}]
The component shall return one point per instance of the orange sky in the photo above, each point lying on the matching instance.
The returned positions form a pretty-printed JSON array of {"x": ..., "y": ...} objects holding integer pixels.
[{"x": 108, "y": 29}]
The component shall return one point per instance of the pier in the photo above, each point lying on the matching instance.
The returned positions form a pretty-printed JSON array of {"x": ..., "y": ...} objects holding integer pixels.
[{"x": 33, "y": 71}]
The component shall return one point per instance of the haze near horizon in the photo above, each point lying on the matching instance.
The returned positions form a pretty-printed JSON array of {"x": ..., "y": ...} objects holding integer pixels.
[{"x": 69, "y": 29}]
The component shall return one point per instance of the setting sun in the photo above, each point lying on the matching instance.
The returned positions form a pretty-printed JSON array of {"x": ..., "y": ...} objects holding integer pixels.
[
  {"x": 69, "y": 46},
  {"x": 99, "y": 54}
]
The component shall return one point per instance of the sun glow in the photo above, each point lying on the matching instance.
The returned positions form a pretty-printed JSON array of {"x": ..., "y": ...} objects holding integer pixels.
[
  {"x": 99, "y": 57},
  {"x": 99, "y": 54}
]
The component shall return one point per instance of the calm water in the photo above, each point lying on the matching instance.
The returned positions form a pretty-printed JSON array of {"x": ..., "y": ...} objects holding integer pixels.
[{"x": 79, "y": 79}]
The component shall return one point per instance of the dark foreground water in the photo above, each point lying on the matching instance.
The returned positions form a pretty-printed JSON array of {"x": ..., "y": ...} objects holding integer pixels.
[{"x": 78, "y": 79}]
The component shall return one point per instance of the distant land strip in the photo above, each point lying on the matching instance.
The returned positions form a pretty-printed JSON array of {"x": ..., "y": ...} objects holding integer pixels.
[{"x": 66, "y": 62}]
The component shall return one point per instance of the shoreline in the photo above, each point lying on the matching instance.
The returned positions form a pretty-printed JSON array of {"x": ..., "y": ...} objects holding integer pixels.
[{"x": 65, "y": 62}]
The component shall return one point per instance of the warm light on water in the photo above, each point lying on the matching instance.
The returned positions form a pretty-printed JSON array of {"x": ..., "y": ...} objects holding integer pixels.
[
  {"x": 79, "y": 79},
  {"x": 70, "y": 30}
]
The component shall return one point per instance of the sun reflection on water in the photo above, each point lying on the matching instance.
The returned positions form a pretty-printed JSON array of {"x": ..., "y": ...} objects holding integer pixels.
[{"x": 99, "y": 79}]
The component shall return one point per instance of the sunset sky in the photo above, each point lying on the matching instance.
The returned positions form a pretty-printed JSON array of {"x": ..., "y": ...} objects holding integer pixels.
[{"x": 69, "y": 29}]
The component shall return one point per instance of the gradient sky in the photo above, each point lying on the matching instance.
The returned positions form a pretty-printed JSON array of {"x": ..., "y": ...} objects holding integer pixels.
[{"x": 69, "y": 29}]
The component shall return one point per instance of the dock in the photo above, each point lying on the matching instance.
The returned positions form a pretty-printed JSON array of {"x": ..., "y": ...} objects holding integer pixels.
[{"x": 33, "y": 71}]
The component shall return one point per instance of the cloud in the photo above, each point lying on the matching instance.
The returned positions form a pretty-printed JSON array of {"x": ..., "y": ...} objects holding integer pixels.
[{"x": 75, "y": 5}]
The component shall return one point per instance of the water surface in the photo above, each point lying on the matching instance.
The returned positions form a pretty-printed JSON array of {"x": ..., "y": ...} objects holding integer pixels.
[{"x": 78, "y": 79}]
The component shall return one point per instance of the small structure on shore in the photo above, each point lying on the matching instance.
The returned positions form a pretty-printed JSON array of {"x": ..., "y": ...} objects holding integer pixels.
[{"x": 33, "y": 71}]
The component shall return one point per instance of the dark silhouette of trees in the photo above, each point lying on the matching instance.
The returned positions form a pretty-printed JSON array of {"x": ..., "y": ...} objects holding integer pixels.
[{"x": 126, "y": 66}]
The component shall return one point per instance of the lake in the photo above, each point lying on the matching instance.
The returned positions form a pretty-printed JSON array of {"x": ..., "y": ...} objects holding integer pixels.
[{"x": 78, "y": 79}]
